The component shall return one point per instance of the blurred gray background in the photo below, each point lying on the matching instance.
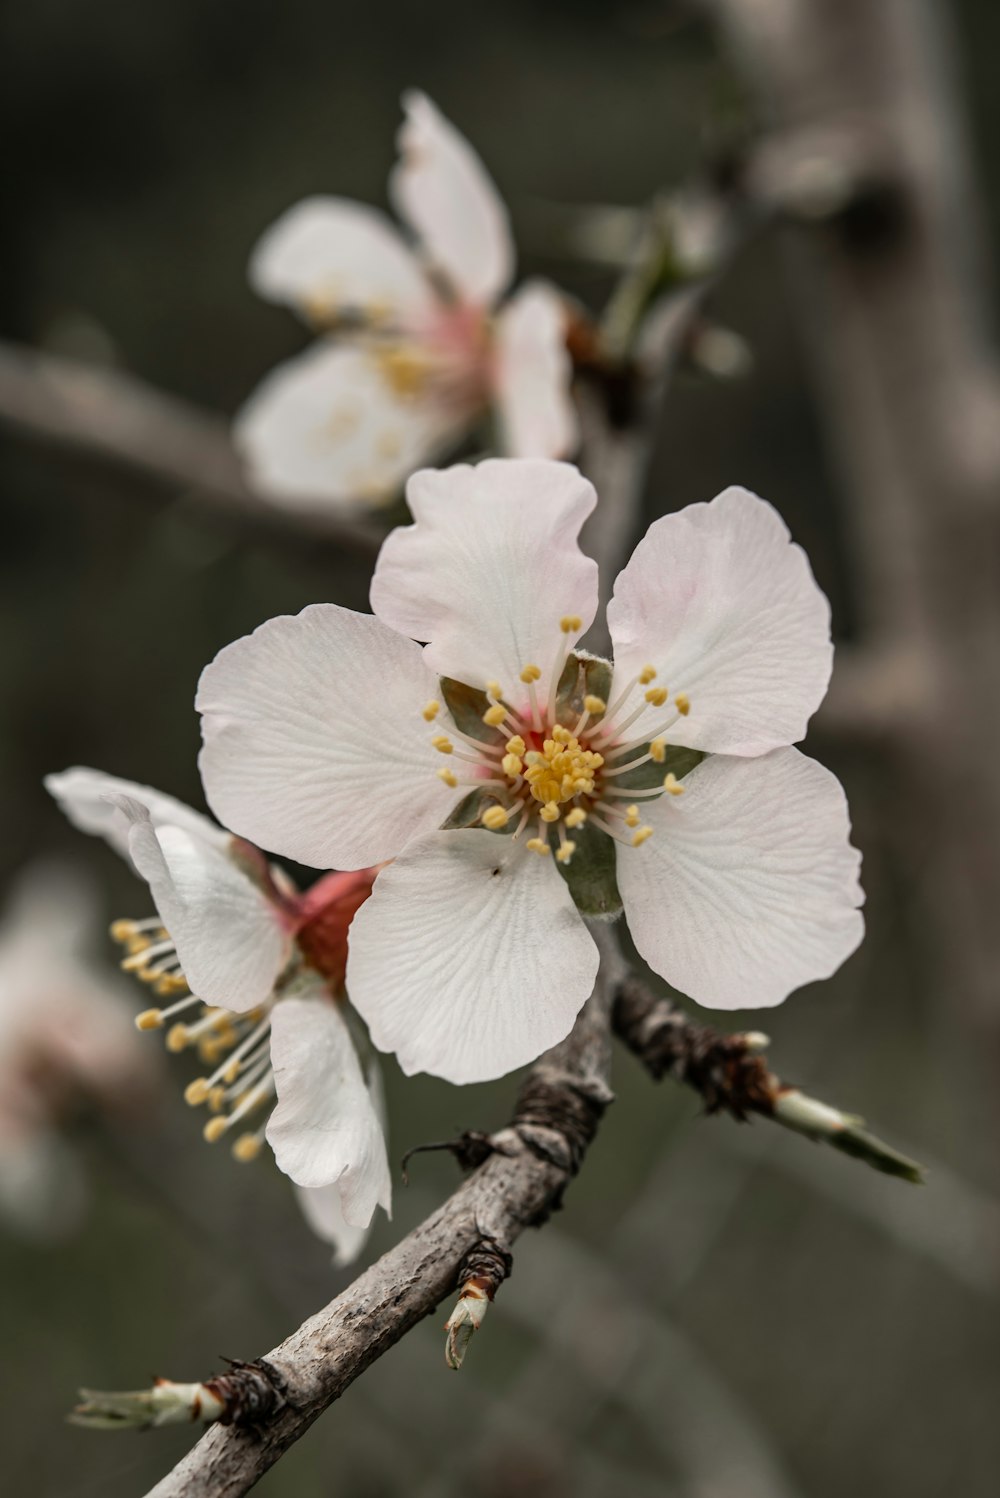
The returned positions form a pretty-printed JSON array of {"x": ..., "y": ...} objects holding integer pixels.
[{"x": 732, "y": 1312}]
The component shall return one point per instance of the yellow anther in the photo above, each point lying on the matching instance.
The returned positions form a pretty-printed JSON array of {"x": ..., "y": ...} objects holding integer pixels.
[
  {"x": 448, "y": 776},
  {"x": 561, "y": 735},
  {"x": 149, "y": 1019},
  {"x": 443, "y": 744},
  {"x": 170, "y": 983},
  {"x": 214, "y": 1129},
  {"x": 431, "y": 710},
  {"x": 178, "y": 1038},
  {"x": 631, "y": 816},
  {"x": 246, "y": 1148},
  {"x": 406, "y": 371},
  {"x": 570, "y": 623},
  {"x": 646, "y": 675},
  {"x": 682, "y": 703},
  {"x": 217, "y": 1099},
  {"x": 136, "y": 961},
  {"x": 566, "y": 851},
  {"x": 594, "y": 705},
  {"x": 210, "y": 1048},
  {"x": 494, "y": 817},
  {"x": 231, "y": 1072},
  {"x": 512, "y": 764},
  {"x": 516, "y": 745},
  {"x": 493, "y": 689},
  {"x": 562, "y": 769},
  {"x": 657, "y": 696},
  {"x": 640, "y": 836},
  {"x": 658, "y": 750},
  {"x": 120, "y": 931},
  {"x": 494, "y": 716},
  {"x": 576, "y": 817},
  {"x": 550, "y": 812},
  {"x": 530, "y": 674},
  {"x": 196, "y": 1092},
  {"x": 672, "y": 785},
  {"x": 537, "y": 845}
]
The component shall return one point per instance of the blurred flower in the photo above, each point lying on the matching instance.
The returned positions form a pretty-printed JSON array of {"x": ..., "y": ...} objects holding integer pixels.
[
  {"x": 321, "y": 734},
  {"x": 420, "y": 353},
  {"x": 66, "y": 1042},
  {"x": 255, "y": 971}
]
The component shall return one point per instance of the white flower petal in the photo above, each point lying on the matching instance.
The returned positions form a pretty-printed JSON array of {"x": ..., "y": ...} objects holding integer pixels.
[
  {"x": 728, "y": 611},
  {"x": 325, "y": 429},
  {"x": 88, "y": 799},
  {"x": 323, "y": 1209},
  {"x": 324, "y": 1129},
  {"x": 228, "y": 935},
  {"x": 748, "y": 887},
  {"x": 329, "y": 255},
  {"x": 443, "y": 191},
  {"x": 314, "y": 741},
  {"x": 534, "y": 375},
  {"x": 489, "y": 569},
  {"x": 470, "y": 958}
]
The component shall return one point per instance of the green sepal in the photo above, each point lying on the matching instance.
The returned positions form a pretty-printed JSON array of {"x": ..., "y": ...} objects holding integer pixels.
[
  {"x": 467, "y": 706},
  {"x": 583, "y": 675},
  {"x": 644, "y": 777},
  {"x": 591, "y": 872}
]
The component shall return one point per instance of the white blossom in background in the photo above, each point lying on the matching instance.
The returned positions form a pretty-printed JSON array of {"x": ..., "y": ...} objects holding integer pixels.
[
  {"x": 66, "y": 1042},
  {"x": 417, "y": 347},
  {"x": 254, "y": 971},
  {"x": 667, "y": 782}
]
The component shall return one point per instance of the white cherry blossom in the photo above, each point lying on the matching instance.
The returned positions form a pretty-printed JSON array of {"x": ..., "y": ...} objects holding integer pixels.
[
  {"x": 416, "y": 348},
  {"x": 518, "y": 784},
  {"x": 254, "y": 972}
]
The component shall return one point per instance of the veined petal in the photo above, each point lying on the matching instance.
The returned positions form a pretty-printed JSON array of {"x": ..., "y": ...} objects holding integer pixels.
[
  {"x": 328, "y": 256},
  {"x": 490, "y": 567},
  {"x": 443, "y": 191},
  {"x": 470, "y": 958},
  {"x": 229, "y": 938},
  {"x": 534, "y": 374},
  {"x": 327, "y": 429},
  {"x": 324, "y": 1129},
  {"x": 89, "y": 799},
  {"x": 748, "y": 887},
  {"x": 728, "y": 611},
  {"x": 323, "y": 1209},
  {"x": 315, "y": 745}
]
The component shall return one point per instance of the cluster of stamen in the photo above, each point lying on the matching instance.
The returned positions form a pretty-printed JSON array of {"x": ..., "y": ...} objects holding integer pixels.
[
  {"x": 236, "y": 1047},
  {"x": 559, "y": 775}
]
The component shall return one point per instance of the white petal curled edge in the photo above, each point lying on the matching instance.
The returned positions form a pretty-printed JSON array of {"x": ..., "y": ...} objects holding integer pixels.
[
  {"x": 229, "y": 940},
  {"x": 315, "y": 745},
  {"x": 720, "y": 601},
  {"x": 748, "y": 887},
  {"x": 443, "y": 191},
  {"x": 490, "y": 567},
  {"x": 325, "y": 430},
  {"x": 470, "y": 958},
  {"x": 89, "y": 799},
  {"x": 534, "y": 375},
  {"x": 323, "y": 1210},
  {"x": 328, "y": 255},
  {"x": 325, "y": 1130}
]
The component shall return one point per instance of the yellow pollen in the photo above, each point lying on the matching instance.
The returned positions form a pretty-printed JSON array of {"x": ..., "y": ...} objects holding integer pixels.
[
  {"x": 682, "y": 703},
  {"x": 149, "y": 1019},
  {"x": 537, "y": 845},
  {"x": 566, "y": 851},
  {"x": 646, "y": 675},
  {"x": 594, "y": 705},
  {"x": 657, "y": 696},
  {"x": 562, "y": 769},
  {"x": 576, "y": 817},
  {"x": 217, "y": 1099},
  {"x": 432, "y": 709},
  {"x": 210, "y": 1048},
  {"x": 494, "y": 817},
  {"x": 530, "y": 674},
  {"x": 672, "y": 785},
  {"x": 516, "y": 745},
  {"x": 170, "y": 983},
  {"x": 120, "y": 931},
  {"x": 214, "y": 1129},
  {"x": 494, "y": 716},
  {"x": 246, "y": 1148},
  {"x": 550, "y": 812},
  {"x": 443, "y": 744},
  {"x": 631, "y": 816},
  {"x": 493, "y": 689},
  {"x": 231, "y": 1072},
  {"x": 405, "y": 371},
  {"x": 511, "y": 765},
  {"x": 448, "y": 776},
  {"x": 658, "y": 750},
  {"x": 570, "y": 623},
  {"x": 640, "y": 836},
  {"x": 196, "y": 1092},
  {"x": 177, "y": 1038}
]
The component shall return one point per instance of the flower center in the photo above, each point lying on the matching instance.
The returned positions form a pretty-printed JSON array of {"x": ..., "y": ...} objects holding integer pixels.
[{"x": 562, "y": 769}]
